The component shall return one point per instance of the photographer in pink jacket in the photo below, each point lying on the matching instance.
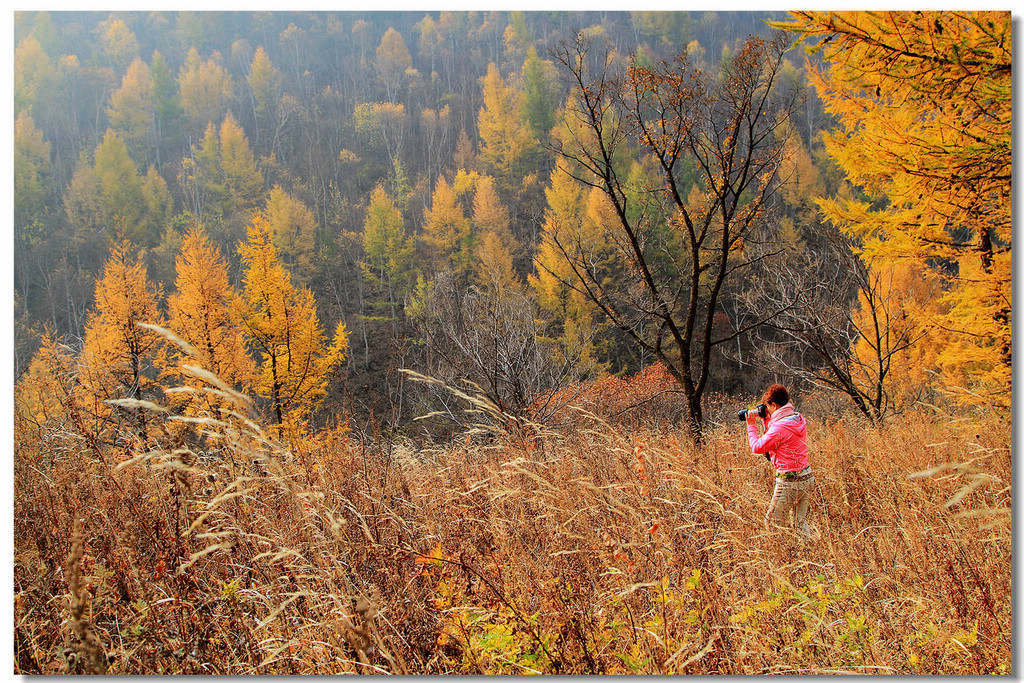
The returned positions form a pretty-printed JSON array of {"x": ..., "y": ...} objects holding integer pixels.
[{"x": 784, "y": 443}]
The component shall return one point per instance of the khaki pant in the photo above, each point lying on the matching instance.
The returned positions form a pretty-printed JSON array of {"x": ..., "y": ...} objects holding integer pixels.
[{"x": 791, "y": 496}]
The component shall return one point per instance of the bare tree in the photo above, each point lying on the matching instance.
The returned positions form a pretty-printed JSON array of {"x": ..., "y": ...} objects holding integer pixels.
[
  {"x": 831, "y": 304},
  {"x": 483, "y": 342},
  {"x": 716, "y": 142}
]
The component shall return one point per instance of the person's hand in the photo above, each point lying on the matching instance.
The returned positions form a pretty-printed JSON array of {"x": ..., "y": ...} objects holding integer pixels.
[{"x": 752, "y": 417}]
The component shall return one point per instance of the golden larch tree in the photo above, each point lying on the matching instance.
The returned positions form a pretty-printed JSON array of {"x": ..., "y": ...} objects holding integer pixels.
[
  {"x": 507, "y": 143},
  {"x": 33, "y": 172},
  {"x": 118, "y": 42},
  {"x": 32, "y": 73},
  {"x": 497, "y": 247},
  {"x": 131, "y": 110},
  {"x": 388, "y": 265},
  {"x": 295, "y": 357},
  {"x": 43, "y": 393},
  {"x": 923, "y": 101},
  {"x": 242, "y": 179},
  {"x": 494, "y": 270},
  {"x": 570, "y": 318},
  {"x": 393, "y": 59},
  {"x": 265, "y": 85},
  {"x": 447, "y": 233},
  {"x": 157, "y": 199},
  {"x": 107, "y": 197},
  {"x": 465, "y": 182},
  {"x": 801, "y": 182},
  {"x": 293, "y": 230},
  {"x": 118, "y": 356},
  {"x": 206, "y": 89},
  {"x": 203, "y": 313},
  {"x": 490, "y": 215},
  {"x": 539, "y": 97},
  {"x": 894, "y": 353}
]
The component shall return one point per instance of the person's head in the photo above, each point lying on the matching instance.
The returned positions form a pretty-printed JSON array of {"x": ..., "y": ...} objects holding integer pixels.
[{"x": 775, "y": 397}]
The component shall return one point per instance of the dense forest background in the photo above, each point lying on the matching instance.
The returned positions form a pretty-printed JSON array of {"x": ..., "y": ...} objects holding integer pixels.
[
  {"x": 432, "y": 184},
  {"x": 136, "y": 126}
]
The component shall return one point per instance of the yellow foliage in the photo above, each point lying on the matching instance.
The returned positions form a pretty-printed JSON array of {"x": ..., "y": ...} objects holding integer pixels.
[
  {"x": 924, "y": 104},
  {"x": 389, "y": 259},
  {"x": 465, "y": 182},
  {"x": 562, "y": 219},
  {"x": 571, "y": 317},
  {"x": 201, "y": 313},
  {"x": 157, "y": 199},
  {"x": 490, "y": 217},
  {"x": 493, "y": 266},
  {"x": 117, "y": 353},
  {"x": 293, "y": 229},
  {"x": 447, "y": 232},
  {"x": 242, "y": 178},
  {"x": 905, "y": 293},
  {"x": 131, "y": 106},
  {"x": 393, "y": 59},
  {"x": 800, "y": 179},
  {"x": 295, "y": 358},
  {"x": 265, "y": 83},
  {"x": 32, "y": 170},
  {"x": 118, "y": 42},
  {"x": 41, "y": 393},
  {"x": 506, "y": 141},
  {"x": 32, "y": 72},
  {"x": 205, "y": 87},
  {"x": 108, "y": 196}
]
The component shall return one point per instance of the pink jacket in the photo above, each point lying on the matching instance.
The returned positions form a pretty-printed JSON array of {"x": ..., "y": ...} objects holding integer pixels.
[{"x": 785, "y": 438}]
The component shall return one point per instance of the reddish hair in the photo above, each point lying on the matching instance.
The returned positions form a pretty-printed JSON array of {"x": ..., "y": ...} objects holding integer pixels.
[{"x": 776, "y": 394}]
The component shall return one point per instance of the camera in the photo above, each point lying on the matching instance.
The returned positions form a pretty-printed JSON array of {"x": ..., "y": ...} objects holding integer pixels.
[{"x": 762, "y": 412}]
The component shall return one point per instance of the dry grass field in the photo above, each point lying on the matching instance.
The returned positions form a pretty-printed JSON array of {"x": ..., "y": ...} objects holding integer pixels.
[{"x": 607, "y": 548}]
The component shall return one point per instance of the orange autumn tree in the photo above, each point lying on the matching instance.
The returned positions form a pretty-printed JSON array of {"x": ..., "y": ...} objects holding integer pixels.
[
  {"x": 295, "y": 357},
  {"x": 447, "y": 238},
  {"x": 118, "y": 356},
  {"x": 507, "y": 143},
  {"x": 293, "y": 229},
  {"x": 570, "y": 317},
  {"x": 43, "y": 392},
  {"x": 497, "y": 247},
  {"x": 923, "y": 100},
  {"x": 201, "y": 313},
  {"x": 894, "y": 353}
]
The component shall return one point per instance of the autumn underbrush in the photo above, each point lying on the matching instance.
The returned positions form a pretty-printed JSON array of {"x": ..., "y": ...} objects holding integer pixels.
[{"x": 211, "y": 547}]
